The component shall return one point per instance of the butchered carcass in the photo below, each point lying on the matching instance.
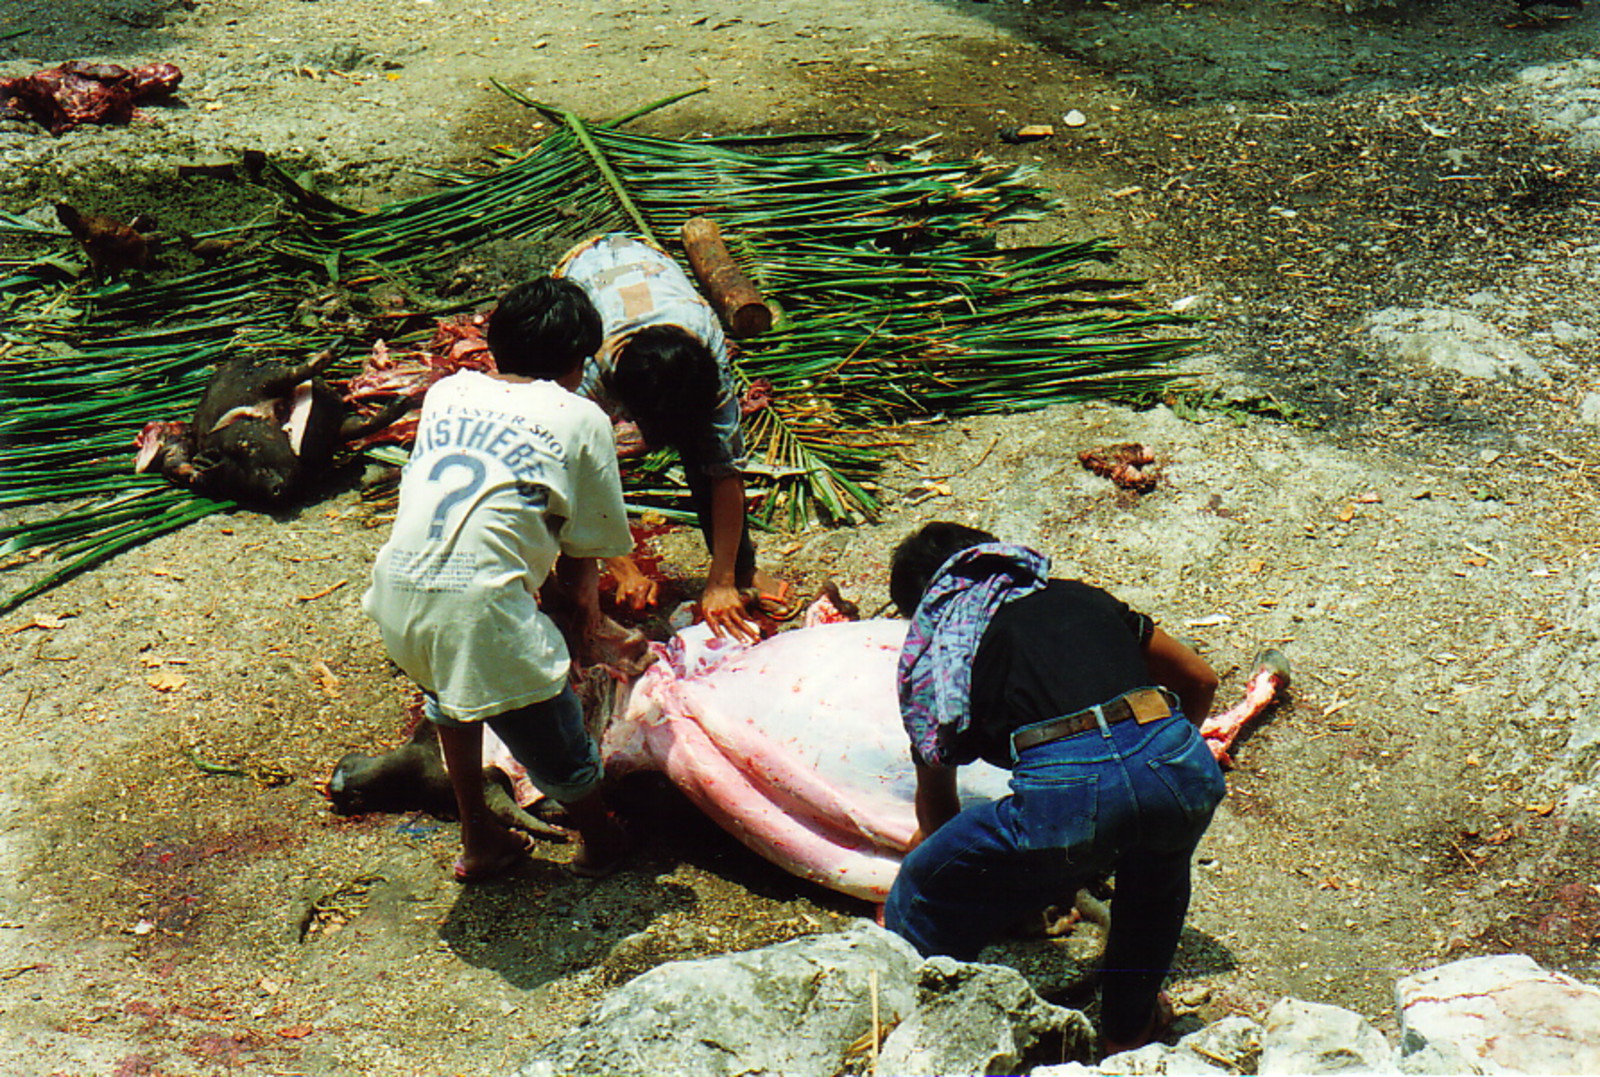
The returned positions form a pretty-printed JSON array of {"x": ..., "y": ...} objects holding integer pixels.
[
  {"x": 77, "y": 92},
  {"x": 261, "y": 433},
  {"x": 458, "y": 344},
  {"x": 794, "y": 745}
]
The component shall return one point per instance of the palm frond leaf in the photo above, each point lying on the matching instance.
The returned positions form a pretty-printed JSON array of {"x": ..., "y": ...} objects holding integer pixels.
[{"x": 895, "y": 300}]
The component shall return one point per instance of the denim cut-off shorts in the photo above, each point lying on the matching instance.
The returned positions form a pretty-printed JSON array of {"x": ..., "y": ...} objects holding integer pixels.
[{"x": 548, "y": 738}]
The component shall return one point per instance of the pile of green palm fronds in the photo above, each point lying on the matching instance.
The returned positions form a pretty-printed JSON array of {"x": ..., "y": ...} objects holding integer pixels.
[{"x": 895, "y": 303}]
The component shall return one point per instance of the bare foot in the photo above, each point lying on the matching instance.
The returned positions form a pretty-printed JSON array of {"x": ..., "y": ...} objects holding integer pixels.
[
  {"x": 482, "y": 865},
  {"x": 604, "y": 847}
]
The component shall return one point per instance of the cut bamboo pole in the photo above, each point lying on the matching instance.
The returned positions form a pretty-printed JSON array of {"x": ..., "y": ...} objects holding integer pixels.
[{"x": 743, "y": 310}]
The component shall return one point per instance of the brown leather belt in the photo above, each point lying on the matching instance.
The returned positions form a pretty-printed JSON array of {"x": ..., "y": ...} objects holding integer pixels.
[{"x": 1142, "y": 704}]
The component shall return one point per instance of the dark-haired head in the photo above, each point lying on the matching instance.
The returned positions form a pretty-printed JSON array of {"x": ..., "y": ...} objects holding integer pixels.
[
  {"x": 544, "y": 328},
  {"x": 666, "y": 379},
  {"x": 919, "y": 556}
]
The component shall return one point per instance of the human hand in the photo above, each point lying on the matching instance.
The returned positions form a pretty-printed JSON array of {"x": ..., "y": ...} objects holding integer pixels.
[
  {"x": 635, "y": 590},
  {"x": 722, "y": 608}
]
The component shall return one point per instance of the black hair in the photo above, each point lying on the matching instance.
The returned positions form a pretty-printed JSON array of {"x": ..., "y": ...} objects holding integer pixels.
[
  {"x": 666, "y": 379},
  {"x": 543, "y": 328},
  {"x": 919, "y": 556}
]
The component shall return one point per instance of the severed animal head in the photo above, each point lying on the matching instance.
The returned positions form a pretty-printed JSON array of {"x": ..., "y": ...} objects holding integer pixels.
[{"x": 249, "y": 460}]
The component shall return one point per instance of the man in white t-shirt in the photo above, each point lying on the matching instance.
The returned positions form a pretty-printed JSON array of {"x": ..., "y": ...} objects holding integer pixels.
[
  {"x": 664, "y": 364},
  {"x": 510, "y": 472}
]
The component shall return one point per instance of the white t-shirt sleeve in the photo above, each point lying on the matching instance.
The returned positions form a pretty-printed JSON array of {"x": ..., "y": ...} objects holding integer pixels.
[{"x": 599, "y": 524}]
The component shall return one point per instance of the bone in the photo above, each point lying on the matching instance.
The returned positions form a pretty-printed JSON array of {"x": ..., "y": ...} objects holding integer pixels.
[{"x": 1270, "y": 677}]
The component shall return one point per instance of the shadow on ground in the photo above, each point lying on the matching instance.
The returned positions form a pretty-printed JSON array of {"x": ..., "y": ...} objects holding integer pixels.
[{"x": 1181, "y": 53}]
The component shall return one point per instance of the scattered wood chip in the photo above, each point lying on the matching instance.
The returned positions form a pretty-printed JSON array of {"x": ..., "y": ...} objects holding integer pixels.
[
  {"x": 17, "y": 970},
  {"x": 325, "y": 678},
  {"x": 324, "y": 593},
  {"x": 296, "y": 1032},
  {"x": 47, "y": 623},
  {"x": 167, "y": 681}
]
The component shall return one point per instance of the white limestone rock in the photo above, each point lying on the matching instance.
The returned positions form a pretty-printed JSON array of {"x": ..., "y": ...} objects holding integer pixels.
[
  {"x": 971, "y": 1018},
  {"x": 794, "y": 1008},
  {"x": 1158, "y": 1058},
  {"x": 1312, "y": 1038},
  {"x": 1502, "y": 1014},
  {"x": 1232, "y": 1041}
]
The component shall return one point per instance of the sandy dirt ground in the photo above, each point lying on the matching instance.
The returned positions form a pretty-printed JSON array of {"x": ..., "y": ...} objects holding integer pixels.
[{"x": 176, "y": 897}]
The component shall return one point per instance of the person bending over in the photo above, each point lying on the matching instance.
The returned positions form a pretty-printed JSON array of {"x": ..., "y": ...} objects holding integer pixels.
[
  {"x": 663, "y": 364},
  {"x": 1094, "y": 710},
  {"x": 510, "y": 473}
]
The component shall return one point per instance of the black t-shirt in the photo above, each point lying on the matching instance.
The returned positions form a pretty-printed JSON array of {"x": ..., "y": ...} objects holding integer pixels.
[{"x": 1063, "y": 648}]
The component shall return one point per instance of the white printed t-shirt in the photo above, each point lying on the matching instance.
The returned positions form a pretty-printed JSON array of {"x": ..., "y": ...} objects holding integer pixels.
[{"x": 504, "y": 477}]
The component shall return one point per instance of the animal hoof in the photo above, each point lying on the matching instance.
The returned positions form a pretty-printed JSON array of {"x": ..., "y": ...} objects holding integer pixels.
[{"x": 1274, "y": 660}]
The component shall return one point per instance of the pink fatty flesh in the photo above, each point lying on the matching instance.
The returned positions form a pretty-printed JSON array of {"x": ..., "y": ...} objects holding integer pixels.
[{"x": 1221, "y": 730}]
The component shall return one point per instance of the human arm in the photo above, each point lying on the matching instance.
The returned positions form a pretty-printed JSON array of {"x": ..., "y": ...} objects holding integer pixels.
[
  {"x": 1174, "y": 665},
  {"x": 579, "y": 581},
  {"x": 937, "y": 800},
  {"x": 722, "y": 606}
]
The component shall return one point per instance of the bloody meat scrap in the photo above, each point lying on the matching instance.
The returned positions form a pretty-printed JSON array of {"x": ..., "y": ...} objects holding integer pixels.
[
  {"x": 76, "y": 92},
  {"x": 1130, "y": 465},
  {"x": 457, "y": 344}
]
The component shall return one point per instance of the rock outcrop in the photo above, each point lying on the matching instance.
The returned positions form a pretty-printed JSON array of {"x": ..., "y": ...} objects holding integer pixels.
[{"x": 861, "y": 1000}]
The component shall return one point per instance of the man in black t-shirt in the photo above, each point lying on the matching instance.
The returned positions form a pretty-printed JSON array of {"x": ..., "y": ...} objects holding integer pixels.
[{"x": 1084, "y": 700}]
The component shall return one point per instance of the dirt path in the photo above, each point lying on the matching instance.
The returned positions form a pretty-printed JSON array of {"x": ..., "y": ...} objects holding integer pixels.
[{"x": 1289, "y": 168}]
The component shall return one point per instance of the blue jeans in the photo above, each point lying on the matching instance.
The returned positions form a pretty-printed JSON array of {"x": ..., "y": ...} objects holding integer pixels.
[
  {"x": 549, "y": 739},
  {"x": 1127, "y": 798}
]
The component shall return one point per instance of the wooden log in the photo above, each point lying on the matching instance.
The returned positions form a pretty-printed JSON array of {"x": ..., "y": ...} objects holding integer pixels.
[{"x": 736, "y": 300}]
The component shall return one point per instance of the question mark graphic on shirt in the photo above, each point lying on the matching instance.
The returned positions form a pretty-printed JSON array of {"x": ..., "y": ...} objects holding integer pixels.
[{"x": 460, "y": 493}]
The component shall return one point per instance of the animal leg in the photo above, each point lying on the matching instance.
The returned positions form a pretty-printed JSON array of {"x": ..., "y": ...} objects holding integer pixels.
[
  {"x": 284, "y": 382},
  {"x": 505, "y": 808},
  {"x": 357, "y": 426}
]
